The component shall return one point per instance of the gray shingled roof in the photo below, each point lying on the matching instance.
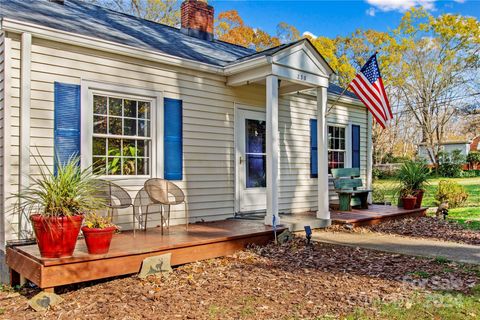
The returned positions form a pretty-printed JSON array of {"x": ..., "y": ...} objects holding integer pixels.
[
  {"x": 79, "y": 17},
  {"x": 76, "y": 16}
]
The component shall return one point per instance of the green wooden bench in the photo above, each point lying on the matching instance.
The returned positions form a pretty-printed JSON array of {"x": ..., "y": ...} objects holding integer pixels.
[{"x": 347, "y": 183}]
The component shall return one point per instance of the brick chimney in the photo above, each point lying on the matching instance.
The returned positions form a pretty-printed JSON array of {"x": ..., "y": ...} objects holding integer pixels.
[{"x": 197, "y": 19}]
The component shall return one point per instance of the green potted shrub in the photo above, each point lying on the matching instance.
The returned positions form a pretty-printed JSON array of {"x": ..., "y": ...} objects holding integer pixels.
[
  {"x": 56, "y": 204},
  {"x": 413, "y": 177},
  {"x": 98, "y": 232}
]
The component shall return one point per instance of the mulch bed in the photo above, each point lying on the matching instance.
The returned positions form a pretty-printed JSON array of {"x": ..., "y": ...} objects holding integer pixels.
[
  {"x": 421, "y": 227},
  {"x": 272, "y": 282}
]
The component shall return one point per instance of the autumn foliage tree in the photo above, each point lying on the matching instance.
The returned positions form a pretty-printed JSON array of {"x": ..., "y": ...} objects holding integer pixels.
[{"x": 231, "y": 28}]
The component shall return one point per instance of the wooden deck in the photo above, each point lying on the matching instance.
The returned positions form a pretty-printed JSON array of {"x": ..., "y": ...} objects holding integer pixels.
[
  {"x": 373, "y": 215},
  {"x": 201, "y": 241}
]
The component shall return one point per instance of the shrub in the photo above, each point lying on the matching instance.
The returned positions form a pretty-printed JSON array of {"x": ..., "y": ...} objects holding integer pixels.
[
  {"x": 413, "y": 175},
  {"x": 450, "y": 191},
  {"x": 471, "y": 174},
  {"x": 473, "y": 157},
  {"x": 450, "y": 164}
]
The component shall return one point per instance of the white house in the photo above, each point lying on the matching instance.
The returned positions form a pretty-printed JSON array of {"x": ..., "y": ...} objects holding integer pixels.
[
  {"x": 447, "y": 146},
  {"x": 237, "y": 130}
]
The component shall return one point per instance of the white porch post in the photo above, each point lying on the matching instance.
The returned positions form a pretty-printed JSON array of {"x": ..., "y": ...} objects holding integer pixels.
[
  {"x": 369, "y": 154},
  {"x": 322, "y": 149},
  {"x": 272, "y": 149}
]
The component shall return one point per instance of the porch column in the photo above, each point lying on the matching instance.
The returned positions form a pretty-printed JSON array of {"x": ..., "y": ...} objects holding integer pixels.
[
  {"x": 272, "y": 149},
  {"x": 322, "y": 149}
]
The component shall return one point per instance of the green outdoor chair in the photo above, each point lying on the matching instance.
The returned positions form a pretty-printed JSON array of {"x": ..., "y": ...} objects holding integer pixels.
[{"x": 348, "y": 185}]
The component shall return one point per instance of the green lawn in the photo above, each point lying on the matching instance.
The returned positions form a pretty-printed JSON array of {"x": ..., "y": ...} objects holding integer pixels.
[
  {"x": 446, "y": 306},
  {"x": 469, "y": 214}
]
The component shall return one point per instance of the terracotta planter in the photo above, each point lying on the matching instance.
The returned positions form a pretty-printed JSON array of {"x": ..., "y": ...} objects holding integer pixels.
[
  {"x": 56, "y": 236},
  {"x": 409, "y": 203},
  {"x": 419, "y": 195},
  {"x": 98, "y": 240}
]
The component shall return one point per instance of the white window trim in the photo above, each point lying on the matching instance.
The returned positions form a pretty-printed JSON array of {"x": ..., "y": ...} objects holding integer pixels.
[
  {"x": 88, "y": 89},
  {"x": 348, "y": 141}
]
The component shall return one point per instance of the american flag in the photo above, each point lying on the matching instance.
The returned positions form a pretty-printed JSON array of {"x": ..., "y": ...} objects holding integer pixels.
[{"x": 368, "y": 86}]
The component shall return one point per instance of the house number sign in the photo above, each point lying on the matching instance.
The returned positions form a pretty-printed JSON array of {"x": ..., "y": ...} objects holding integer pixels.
[{"x": 301, "y": 76}]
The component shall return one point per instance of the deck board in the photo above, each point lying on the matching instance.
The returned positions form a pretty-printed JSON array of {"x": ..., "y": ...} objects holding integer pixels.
[
  {"x": 373, "y": 215},
  {"x": 201, "y": 241}
]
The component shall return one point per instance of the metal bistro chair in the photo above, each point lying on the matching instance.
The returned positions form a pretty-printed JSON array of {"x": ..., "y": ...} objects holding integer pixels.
[
  {"x": 165, "y": 193},
  {"x": 142, "y": 206},
  {"x": 116, "y": 198}
]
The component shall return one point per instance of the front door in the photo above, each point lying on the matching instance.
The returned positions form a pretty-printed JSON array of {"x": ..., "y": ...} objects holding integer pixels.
[{"x": 251, "y": 160}]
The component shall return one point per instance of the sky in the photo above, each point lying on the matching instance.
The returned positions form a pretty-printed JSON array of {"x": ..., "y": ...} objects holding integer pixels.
[{"x": 341, "y": 17}]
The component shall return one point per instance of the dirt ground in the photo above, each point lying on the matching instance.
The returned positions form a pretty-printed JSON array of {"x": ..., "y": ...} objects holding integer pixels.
[
  {"x": 291, "y": 281},
  {"x": 422, "y": 227}
]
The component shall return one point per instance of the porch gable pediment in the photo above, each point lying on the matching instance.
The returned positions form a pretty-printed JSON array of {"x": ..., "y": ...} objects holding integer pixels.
[
  {"x": 302, "y": 58},
  {"x": 299, "y": 63}
]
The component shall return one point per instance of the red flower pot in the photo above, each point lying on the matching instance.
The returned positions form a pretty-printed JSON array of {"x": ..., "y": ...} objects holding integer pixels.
[
  {"x": 419, "y": 195},
  {"x": 98, "y": 240},
  {"x": 56, "y": 236},
  {"x": 409, "y": 203}
]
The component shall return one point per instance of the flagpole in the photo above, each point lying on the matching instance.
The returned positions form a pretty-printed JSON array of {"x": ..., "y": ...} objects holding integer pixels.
[{"x": 341, "y": 95}]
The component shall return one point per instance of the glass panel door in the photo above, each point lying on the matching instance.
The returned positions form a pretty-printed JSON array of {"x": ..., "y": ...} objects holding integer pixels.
[{"x": 255, "y": 154}]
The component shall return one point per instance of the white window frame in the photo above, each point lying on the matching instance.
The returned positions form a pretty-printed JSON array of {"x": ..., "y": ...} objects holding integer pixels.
[
  {"x": 348, "y": 142},
  {"x": 91, "y": 88}
]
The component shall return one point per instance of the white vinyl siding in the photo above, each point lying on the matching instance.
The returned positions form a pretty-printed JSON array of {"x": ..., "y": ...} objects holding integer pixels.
[{"x": 208, "y": 126}]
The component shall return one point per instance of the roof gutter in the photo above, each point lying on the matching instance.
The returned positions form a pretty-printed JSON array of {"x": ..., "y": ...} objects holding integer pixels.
[{"x": 76, "y": 39}]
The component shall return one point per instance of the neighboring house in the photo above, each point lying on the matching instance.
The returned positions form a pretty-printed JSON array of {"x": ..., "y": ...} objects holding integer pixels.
[
  {"x": 447, "y": 146},
  {"x": 236, "y": 129}
]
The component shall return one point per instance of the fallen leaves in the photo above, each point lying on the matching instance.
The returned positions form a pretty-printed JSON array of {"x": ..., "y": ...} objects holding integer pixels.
[{"x": 271, "y": 282}]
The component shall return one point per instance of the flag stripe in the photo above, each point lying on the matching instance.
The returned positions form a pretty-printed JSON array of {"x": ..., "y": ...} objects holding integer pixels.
[
  {"x": 386, "y": 112},
  {"x": 368, "y": 88},
  {"x": 386, "y": 99},
  {"x": 372, "y": 109},
  {"x": 367, "y": 95}
]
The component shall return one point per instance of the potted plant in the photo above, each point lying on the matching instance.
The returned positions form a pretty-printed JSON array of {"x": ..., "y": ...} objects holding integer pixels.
[
  {"x": 56, "y": 204},
  {"x": 413, "y": 176},
  {"x": 98, "y": 232},
  {"x": 408, "y": 199}
]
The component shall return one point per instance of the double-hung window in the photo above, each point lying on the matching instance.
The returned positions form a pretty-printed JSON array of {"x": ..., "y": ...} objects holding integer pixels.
[
  {"x": 122, "y": 135},
  {"x": 336, "y": 147}
]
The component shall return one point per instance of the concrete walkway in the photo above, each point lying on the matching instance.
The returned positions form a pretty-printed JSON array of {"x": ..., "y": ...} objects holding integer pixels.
[{"x": 403, "y": 245}]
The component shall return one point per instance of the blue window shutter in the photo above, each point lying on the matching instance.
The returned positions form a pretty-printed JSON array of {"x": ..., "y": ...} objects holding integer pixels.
[
  {"x": 313, "y": 149},
  {"x": 173, "y": 144},
  {"x": 66, "y": 123},
  {"x": 355, "y": 146}
]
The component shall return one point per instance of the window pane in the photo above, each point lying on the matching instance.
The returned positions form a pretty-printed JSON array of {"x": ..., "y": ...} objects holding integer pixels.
[
  {"x": 114, "y": 166},
  {"x": 99, "y": 124},
  {"x": 99, "y": 165},
  {"x": 341, "y": 133},
  {"x": 115, "y": 126},
  {"x": 141, "y": 148},
  {"x": 256, "y": 171},
  {"x": 99, "y": 105},
  {"x": 128, "y": 166},
  {"x": 130, "y": 108},
  {"x": 143, "y": 128},
  {"x": 114, "y": 147},
  {"x": 255, "y": 137},
  {"x": 142, "y": 166},
  {"x": 129, "y": 148},
  {"x": 129, "y": 127},
  {"x": 99, "y": 146},
  {"x": 115, "y": 106},
  {"x": 144, "y": 110},
  {"x": 342, "y": 144}
]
